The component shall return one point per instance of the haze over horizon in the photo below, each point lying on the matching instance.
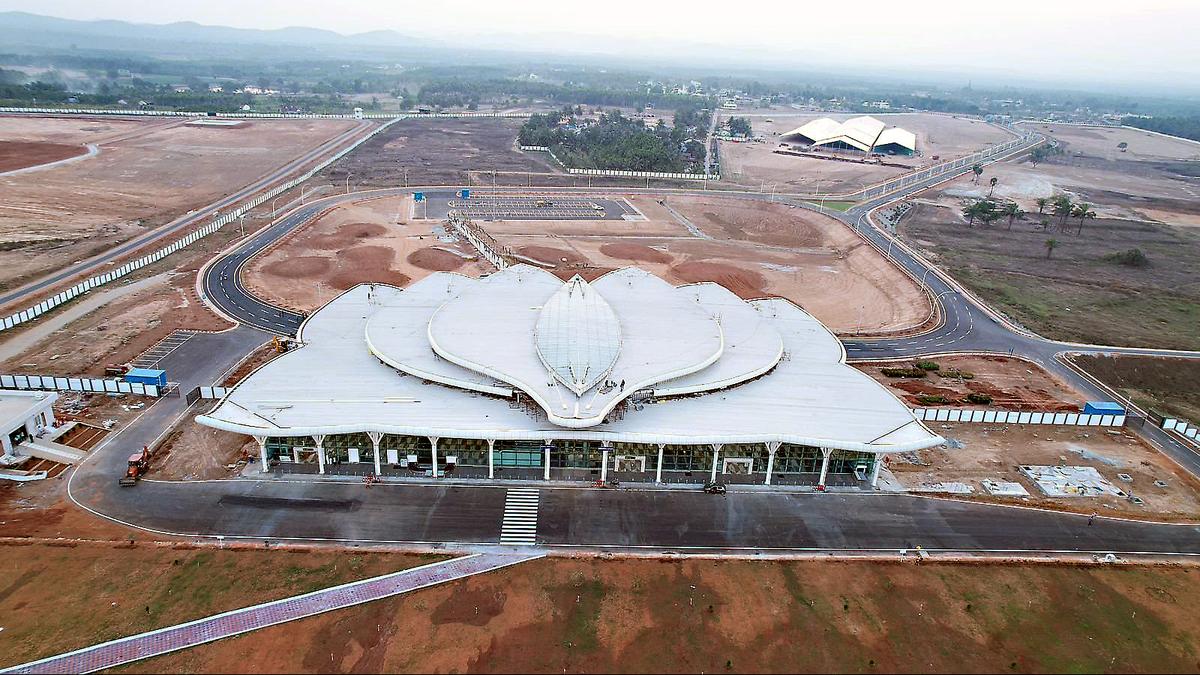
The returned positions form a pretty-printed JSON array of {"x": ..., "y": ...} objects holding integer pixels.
[{"x": 1085, "y": 43}]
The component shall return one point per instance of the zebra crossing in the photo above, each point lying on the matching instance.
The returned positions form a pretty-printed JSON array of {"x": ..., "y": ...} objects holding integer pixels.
[{"x": 520, "y": 516}]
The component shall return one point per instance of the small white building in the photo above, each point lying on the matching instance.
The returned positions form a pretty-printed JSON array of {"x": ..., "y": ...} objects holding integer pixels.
[{"x": 24, "y": 415}]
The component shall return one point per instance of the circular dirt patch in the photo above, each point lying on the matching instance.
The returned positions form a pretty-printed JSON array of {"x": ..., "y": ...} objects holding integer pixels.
[
  {"x": 635, "y": 252},
  {"x": 435, "y": 260},
  {"x": 346, "y": 235},
  {"x": 300, "y": 267},
  {"x": 551, "y": 255},
  {"x": 23, "y": 154},
  {"x": 366, "y": 264},
  {"x": 744, "y": 283}
]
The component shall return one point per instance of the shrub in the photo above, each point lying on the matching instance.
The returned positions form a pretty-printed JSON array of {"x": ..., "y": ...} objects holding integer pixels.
[
  {"x": 1134, "y": 257},
  {"x": 954, "y": 373},
  {"x": 932, "y": 399},
  {"x": 978, "y": 398},
  {"x": 903, "y": 372},
  {"x": 928, "y": 365}
]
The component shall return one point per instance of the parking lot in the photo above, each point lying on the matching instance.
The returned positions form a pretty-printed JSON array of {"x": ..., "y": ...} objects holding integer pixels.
[{"x": 485, "y": 206}]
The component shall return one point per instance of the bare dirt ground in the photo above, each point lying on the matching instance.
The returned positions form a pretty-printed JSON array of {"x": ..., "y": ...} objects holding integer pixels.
[
  {"x": 752, "y": 164},
  {"x": 994, "y": 451},
  {"x": 1166, "y": 386},
  {"x": 757, "y": 250},
  {"x": 62, "y": 597},
  {"x": 146, "y": 175},
  {"x": 119, "y": 331},
  {"x": 1013, "y": 384},
  {"x": 353, "y": 244},
  {"x": 1076, "y": 293},
  {"x": 1156, "y": 178},
  {"x": 22, "y": 154},
  {"x": 439, "y": 152},
  {"x": 598, "y": 616}
]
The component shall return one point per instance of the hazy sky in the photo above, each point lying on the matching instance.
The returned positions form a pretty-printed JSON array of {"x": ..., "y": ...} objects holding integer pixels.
[{"x": 1096, "y": 40}]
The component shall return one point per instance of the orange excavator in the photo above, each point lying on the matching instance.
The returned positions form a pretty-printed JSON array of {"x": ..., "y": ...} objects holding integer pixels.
[{"x": 139, "y": 462}]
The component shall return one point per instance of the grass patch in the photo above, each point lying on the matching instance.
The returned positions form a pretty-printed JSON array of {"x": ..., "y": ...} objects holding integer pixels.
[{"x": 835, "y": 205}]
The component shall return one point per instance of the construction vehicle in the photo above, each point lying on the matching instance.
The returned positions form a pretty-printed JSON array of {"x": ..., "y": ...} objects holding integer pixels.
[
  {"x": 139, "y": 462},
  {"x": 279, "y": 345},
  {"x": 116, "y": 369}
]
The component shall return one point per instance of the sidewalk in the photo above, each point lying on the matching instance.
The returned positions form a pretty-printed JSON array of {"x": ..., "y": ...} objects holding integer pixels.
[{"x": 182, "y": 636}]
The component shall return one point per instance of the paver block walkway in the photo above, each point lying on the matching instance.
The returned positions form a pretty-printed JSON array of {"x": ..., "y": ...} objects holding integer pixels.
[{"x": 172, "y": 638}]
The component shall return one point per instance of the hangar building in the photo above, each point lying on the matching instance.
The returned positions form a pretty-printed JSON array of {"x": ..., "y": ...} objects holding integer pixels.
[{"x": 864, "y": 134}]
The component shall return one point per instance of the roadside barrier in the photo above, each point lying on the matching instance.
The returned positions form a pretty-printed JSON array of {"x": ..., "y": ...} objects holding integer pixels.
[
  {"x": 617, "y": 173},
  {"x": 1183, "y": 428},
  {"x": 1017, "y": 417},
  {"x": 246, "y": 115},
  {"x": 91, "y": 385}
]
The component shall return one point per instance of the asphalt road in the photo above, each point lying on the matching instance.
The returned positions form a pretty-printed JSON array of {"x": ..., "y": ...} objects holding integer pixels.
[
  {"x": 94, "y": 264},
  {"x": 323, "y": 509},
  {"x": 568, "y": 517}
]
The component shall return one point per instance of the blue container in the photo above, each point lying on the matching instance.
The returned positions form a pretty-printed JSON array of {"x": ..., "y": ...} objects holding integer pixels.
[
  {"x": 418, "y": 196},
  {"x": 464, "y": 194},
  {"x": 1102, "y": 408},
  {"x": 147, "y": 376}
]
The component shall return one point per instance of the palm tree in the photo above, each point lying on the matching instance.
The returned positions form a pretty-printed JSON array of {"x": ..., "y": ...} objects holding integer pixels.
[
  {"x": 1062, "y": 209},
  {"x": 992, "y": 184},
  {"x": 1013, "y": 211},
  {"x": 1082, "y": 212},
  {"x": 1042, "y": 203},
  {"x": 978, "y": 171},
  {"x": 1051, "y": 244}
]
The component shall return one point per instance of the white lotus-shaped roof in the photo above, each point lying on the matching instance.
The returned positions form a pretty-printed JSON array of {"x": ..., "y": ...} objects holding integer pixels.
[
  {"x": 578, "y": 336},
  {"x": 450, "y": 356}
]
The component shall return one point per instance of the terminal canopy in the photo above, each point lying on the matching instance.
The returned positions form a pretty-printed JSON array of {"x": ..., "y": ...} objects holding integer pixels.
[{"x": 578, "y": 336}]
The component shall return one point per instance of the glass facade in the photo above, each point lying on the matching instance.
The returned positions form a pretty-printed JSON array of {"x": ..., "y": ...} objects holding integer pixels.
[{"x": 577, "y": 459}]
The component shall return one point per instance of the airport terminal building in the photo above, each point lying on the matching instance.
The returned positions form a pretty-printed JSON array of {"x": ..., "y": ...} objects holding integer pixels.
[{"x": 522, "y": 375}]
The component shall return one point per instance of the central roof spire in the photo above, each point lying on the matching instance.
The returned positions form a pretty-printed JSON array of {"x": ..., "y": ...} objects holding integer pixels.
[{"x": 578, "y": 336}]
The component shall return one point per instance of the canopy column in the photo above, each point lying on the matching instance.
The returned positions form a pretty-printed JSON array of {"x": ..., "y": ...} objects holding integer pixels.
[
  {"x": 875, "y": 470},
  {"x": 491, "y": 457},
  {"x": 433, "y": 441},
  {"x": 825, "y": 453},
  {"x": 376, "y": 437},
  {"x": 772, "y": 448},
  {"x": 546, "y": 459},
  {"x": 658, "y": 467},
  {"x": 262, "y": 451},
  {"x": 603, "y": 465},
  {"x": 716, "y": 454},
  {"x": 320, "y": 441}
]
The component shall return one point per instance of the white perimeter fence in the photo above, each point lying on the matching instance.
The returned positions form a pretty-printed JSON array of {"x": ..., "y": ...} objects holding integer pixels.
[
  {"x": 1183, "y": 428},
  {"x": 95, "y": 385},
  {"x": 615, "y": 173},
  {"x": 1017, "y": 417},
  {"x": 953, "y": 166},
  {"x": 196, "y": 235}
]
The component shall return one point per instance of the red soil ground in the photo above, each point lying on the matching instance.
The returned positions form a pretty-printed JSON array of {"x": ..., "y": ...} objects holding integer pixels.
[
  {"x": 347, "y": 235},
  {"x": 745, "y": 283},
  {"x": 435, "y": 260},
  {"x": 20, "y": 154},
  {"x": 552, "y": 256},
  {"x": 636, "y": 252}
]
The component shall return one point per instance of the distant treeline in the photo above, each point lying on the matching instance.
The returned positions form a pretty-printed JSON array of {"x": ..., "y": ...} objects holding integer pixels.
[
  {"x": 1184, "y": 127},
  {"x": 619, "y": 142},
  {"x": 457, "y": 91},
  {"x": 161, "y": 97}
]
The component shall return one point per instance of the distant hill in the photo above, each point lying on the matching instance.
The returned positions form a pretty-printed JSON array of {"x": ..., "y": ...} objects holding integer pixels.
[{"x": 33, "y": 31}]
